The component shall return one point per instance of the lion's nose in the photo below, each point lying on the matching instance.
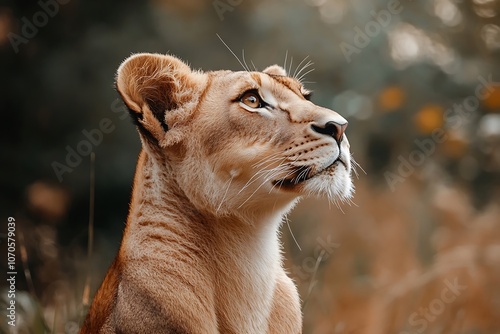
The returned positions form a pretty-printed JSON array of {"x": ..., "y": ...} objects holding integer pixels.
[{"x": 331, "y": 128}]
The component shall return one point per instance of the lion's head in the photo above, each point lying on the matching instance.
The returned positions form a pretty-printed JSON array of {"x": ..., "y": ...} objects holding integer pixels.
[{"x": 236, "y": 141}]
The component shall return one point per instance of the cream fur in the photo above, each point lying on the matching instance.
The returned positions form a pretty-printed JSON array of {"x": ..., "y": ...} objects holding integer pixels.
[{"x": 200, "y": 252}]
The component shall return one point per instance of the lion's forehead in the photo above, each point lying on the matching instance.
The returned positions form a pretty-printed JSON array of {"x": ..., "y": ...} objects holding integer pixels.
[{"x": 282, "y": 87}]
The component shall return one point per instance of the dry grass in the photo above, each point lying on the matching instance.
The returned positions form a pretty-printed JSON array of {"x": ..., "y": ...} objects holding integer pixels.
[{"x": 397, "y": 254}]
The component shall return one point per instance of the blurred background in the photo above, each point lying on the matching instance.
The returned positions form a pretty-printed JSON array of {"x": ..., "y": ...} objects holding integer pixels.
[{"x": 419, "y": 249}]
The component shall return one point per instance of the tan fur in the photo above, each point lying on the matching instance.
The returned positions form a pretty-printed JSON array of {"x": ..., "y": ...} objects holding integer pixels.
[{"x": 200, "y": 252}]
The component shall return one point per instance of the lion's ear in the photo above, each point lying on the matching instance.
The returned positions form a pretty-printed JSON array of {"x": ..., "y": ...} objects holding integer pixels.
[
  {"x": 152, "y": 85},
  {"x": 275, "y": 70}
]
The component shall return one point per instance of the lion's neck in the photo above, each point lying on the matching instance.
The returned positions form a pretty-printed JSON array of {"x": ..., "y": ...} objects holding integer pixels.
[
  {"x": 157, "y": 196},
  {"x": 240, "y": 257}
]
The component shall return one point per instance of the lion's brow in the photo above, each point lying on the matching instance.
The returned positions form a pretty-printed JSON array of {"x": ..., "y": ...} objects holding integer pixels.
[{"x": 288, "y": 83}]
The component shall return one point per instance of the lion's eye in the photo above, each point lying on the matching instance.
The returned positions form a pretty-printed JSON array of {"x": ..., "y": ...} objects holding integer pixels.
[{"x": 252, "y": 99}]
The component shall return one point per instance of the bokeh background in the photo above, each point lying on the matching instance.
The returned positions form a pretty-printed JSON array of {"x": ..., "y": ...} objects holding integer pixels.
[{"x": 417, "y": 252}]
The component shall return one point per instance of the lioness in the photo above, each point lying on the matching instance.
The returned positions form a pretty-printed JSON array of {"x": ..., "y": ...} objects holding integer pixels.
[{"x": 225, "y": 156}]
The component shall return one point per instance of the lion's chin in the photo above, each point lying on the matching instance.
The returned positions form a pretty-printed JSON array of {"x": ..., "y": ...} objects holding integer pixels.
[
  {"x": 337, "y": 187},
  {"x": 334, "y": 182}
]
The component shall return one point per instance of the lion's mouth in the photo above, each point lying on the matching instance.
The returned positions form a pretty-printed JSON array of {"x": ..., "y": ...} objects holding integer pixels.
[{"x": 305, "y": 173}]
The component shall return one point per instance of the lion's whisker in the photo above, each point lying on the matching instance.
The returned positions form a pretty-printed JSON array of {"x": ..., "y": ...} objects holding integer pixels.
[
  {"x": 260, "y": 173},
  {"x": 297, "y": 68},
  {"x": 338, "y": 205},
  {"x": 282, "y": 179},
  {"x": 309, "y": 63},
  {"x": 286, "y": 56},
  {"x": 355, "y": 163},
  {"x": 306, "y": 73},
  {"x": 273, "y": 157},
  {"x": 257, "y": 175},
  {"x": 254, "y": 67},
  {"x": 287, "y": 222},
  {"x": 244, "y": 61},
  {"x": 225, "y": 194},
  {"x": 350, "y": 201},
  {"x": 276, "y": 172},
  {"x": 235, "y": 56}
]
